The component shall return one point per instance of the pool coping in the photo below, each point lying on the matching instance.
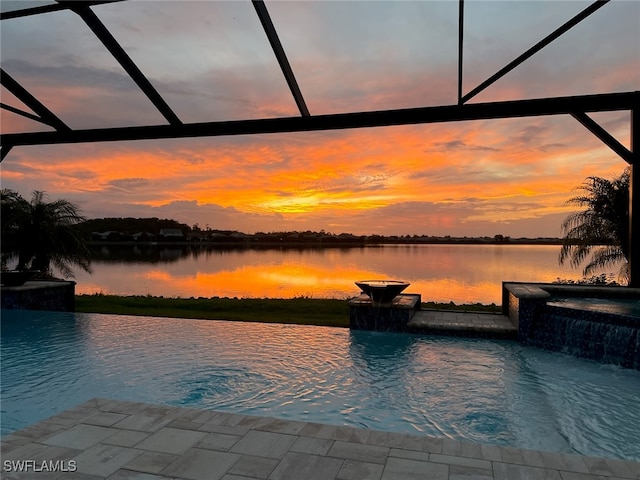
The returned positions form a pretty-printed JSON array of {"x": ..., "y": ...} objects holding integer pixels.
[{"x": 118, "y": 440}]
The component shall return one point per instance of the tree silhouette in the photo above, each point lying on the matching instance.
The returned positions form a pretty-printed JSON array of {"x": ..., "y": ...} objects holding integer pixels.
[
  {"x": 600, "y": 232},
  {"x": 41, "y": 234}
]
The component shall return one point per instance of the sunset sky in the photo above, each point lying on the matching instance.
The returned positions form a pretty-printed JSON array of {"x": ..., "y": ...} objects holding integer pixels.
[{"x": 211, "y": 61}]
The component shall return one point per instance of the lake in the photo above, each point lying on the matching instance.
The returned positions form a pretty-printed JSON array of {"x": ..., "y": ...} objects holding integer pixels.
[{"x": 440, "y": 273}]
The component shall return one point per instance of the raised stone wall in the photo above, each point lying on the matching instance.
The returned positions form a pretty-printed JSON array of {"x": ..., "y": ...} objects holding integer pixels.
[
  {"x": 388, "y": 317},
  {"x": 40, "y": 295},
  {"x": 598, "y": 335}
]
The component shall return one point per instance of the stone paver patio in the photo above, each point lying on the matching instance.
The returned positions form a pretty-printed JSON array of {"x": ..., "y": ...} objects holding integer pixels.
[
  {"x": 448, "y": 322},
  {"x": 121, "y": 440}
]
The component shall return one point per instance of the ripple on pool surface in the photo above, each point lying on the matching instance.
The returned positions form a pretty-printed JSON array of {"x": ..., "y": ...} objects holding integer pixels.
[{"x": 488, "y": 391}]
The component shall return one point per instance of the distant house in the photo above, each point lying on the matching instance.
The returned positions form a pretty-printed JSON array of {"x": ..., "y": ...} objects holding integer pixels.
[
  {"x": 197, "y": 237},
  {"x": 171, "y": 234},
  {"x": 143, "y": 237},
  {"x": 109, "y": 236},
  {"x": 238, "y": 237}
]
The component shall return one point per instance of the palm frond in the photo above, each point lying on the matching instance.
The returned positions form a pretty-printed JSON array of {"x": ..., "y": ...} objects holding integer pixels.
[{"x": 598, "y": 233}]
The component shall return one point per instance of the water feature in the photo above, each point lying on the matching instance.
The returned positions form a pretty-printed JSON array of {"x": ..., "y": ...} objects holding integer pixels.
[
  {"x": 600, "y": 323},
  {"x": 382, "y": 306},
  {"x": 382, "y": 291}
]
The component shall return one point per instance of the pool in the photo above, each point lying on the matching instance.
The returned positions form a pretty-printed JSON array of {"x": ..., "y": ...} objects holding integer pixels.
[
  {"x": 627, "y": 307},
  {"x": 497, "y": 392}
]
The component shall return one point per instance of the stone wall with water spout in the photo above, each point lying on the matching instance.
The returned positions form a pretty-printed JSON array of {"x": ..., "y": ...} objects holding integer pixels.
[
  {"x": 40, "y": 295},
  {"x": 599, "y": 323}
]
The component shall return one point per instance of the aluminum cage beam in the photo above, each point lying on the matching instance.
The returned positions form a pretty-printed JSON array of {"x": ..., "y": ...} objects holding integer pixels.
[{"x": 577, "y": 106}]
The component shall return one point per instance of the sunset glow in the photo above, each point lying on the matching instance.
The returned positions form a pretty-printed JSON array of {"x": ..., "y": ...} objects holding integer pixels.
[
  {"x": 509, "y": 177},
  {"x": 439, "y": 273}
]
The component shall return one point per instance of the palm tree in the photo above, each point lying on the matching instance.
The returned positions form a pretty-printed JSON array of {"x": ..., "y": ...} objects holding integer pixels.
[
  {"x": 41, "y": 234},
  {"x": 599, "y": 233}
]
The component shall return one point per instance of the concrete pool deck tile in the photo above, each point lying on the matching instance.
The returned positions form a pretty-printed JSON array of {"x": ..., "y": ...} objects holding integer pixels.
[
  {"x": 471, "y": 450},
  {"x": 133, "y": 475},
  {"x": 359, "y": 452},
  {"x": 184, "y": 424},
  {"x": 42, "y": 430},
  {"x": 103, "y": 460},
  {"x": 40, "y": 476},
  {"x": 78, "y": 476},
  {"x": 229, "y": 419},
  {"x": 63, "y": 420},
  {"x": 356, "y": 436},
  {"x": 319, "y": 451},
  {"x": 254, "y": 467},
  {"x": 352, "y": 470},
  {"x": 40, "y": 452},
  {"x": 380, "y": 438},
  {"x": 201, "y": 464},
  {"x": 76, "y": 413},
  {"x": 104, "y": 419},
  {"x": 404, "y": 469},
  {"x": 171, "y": 440},
  {"x": 491, "y": 452},
  {"x": 151, "y": 462},
  {"x": 534, "y": 458},
  {"x": 460, "y": 461},
  {"x": 432, "y": 445},
  {"x": 462, "y": 323},
  {"x": 451, "y": 447},
  {"x": 405, "y": 441},
  {"x": 318, "y": 430},
  {"x": 296, "y": 466},
  {"x": 409, "y": 454},
  {"x": 126, "y": 438},
  {"x": 215, "y": 428},
  {"x": 218, "y": 441},
  {"x": 188, "y": 414},
  {"x": 276, "y": 425},
  {"x": 511, "y": 455},
  {"x": 81, "y": 436},
  {"x": 313, "y": 446},
  {"x": 203, "y": 417},
  {"x": 231, "y": 476},
  {"x": 613, "y": 467},
  {"x": 264, "y": 444},
  {"x": 143, "y": 422},
  {"x": 459, "y": 472},
  {"x": 509, "y": 471},
  {"x": 582, "y": 476},
  {"x": 122, "y": 406},
  {"x": 573, "y": 463},
  {"x": 12, "y": 442},
  {"x": 342, "y": 432}
]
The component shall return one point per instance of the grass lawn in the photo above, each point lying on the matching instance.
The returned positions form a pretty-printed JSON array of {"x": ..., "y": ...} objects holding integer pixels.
[{"x": 301, "y": 310}]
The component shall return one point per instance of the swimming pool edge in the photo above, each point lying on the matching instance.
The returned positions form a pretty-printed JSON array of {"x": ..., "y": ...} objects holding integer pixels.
[{"x": 114, "y": 439}]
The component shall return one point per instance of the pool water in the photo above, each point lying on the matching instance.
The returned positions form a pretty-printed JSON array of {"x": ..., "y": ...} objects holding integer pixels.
[
  {"x": 496, "y": 392},
  {"x": 618, "y": 306}
]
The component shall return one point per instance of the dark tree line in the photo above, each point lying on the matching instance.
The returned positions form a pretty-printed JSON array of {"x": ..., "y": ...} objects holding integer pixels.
[{"x": 129, "y": 225}]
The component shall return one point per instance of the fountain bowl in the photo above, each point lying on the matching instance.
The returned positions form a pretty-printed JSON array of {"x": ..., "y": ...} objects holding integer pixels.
[{"x": 382, "y": 291}]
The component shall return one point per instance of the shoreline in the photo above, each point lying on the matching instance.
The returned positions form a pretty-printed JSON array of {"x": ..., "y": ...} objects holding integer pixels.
[
  {"x": 251, "y": 243},
  {"x": 298, "y": 310}
]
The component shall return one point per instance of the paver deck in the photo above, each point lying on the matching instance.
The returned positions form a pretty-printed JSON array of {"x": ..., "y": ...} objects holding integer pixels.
[
  {"x": 471, "y": 324},
  {"x": 120, "y": 440}
]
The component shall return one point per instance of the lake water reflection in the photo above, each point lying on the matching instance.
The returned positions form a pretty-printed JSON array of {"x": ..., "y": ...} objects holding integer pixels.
[{"x": 442, "y": 273}]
